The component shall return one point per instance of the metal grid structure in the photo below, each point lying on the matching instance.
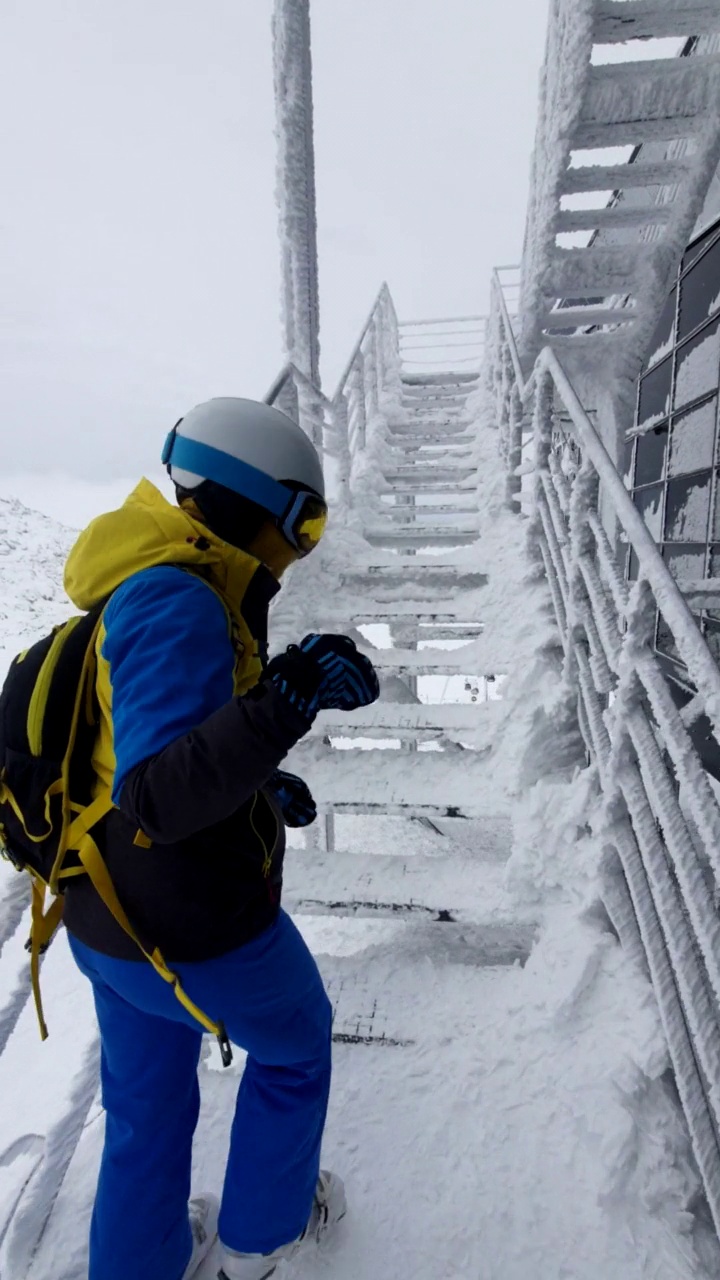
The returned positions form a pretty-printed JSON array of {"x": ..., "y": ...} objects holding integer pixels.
[{"x": 672, "y": 457}]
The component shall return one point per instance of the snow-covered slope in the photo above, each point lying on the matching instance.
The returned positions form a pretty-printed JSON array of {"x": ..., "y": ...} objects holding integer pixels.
[{"x": 32, "y": 553}]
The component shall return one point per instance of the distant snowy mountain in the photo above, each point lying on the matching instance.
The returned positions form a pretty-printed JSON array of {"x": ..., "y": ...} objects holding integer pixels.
[{"x": 32, "y": 555}]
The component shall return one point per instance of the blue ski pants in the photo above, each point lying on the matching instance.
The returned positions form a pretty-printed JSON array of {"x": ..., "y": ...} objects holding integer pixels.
[{"x": 271, "y": 998}]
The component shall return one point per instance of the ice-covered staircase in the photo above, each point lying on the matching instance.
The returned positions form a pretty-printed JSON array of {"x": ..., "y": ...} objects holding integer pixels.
[
  {"x": 625, "y": 152},
  {"x": 424, "y": 594}
]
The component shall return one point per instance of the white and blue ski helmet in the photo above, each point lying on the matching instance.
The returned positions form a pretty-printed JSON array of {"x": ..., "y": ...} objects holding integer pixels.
[{"x": 257, "y": 452}]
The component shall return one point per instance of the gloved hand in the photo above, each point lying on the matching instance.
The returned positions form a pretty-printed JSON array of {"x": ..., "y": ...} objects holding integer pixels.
[
  {"x": 294, "y": 797},
  {"x": 325, "y": 672}
]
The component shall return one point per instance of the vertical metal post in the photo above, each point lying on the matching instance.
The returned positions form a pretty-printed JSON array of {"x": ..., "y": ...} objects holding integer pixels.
[{"x": 296, "y": 184}]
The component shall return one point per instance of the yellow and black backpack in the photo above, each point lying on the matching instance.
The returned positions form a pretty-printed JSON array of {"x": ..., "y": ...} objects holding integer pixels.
[{"x": 49, "y": 802}]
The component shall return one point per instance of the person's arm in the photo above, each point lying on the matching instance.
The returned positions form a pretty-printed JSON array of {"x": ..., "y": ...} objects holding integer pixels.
[{"x": 188, "y": 753}]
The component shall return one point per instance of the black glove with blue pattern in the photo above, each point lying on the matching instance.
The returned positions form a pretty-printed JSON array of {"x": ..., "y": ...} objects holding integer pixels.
[
  {"x": 294, "y": 797},
  {"x": 325, "y": 672}
]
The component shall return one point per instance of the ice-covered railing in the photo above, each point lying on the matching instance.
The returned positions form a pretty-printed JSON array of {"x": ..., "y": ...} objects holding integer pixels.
[
  {"x": 457, "y": 343},
  {"x": 369, "y": 390},
  {"x": 351, "y": 428},
  {"x": 662, "y": 866}
]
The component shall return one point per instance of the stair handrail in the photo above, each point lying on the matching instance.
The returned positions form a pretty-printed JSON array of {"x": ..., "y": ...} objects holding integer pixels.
[
  {"x": 291, "y": 372},
  {"x": 368, "y": 394},
  {"x": 383, "y": 296},
  {"x": 662, "y": 833}
]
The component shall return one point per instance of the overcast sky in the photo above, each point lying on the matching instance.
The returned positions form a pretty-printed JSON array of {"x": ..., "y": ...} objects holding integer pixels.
[{"x": 138, "y": 243}]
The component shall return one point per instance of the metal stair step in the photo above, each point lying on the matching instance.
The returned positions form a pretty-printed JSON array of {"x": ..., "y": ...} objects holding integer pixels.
[
  {"x": 390, "y": 719},
  {"x": 422, "y": 475},
  {"x": 412, "y": 570},
  {"x": 450, "y": 378},
  {"x": 427, "y": 662},
  {"x": 434, "y": 787},
  {"x": 429, "y": 489},
  {"x": 615, "y": 22},
  {"x": 593, "y": 136},
  {"x": 614, "y": 216},
  {"x": 624, "y": 176},
  {"x": 601, "y": 271},
  {"x": 423, "y": 536},
  {"x": 400, "y": 538},
  {"x": 431, "y": 451},
  {"x": 450, "y": 430},
  {"x": 437, "y": 882},
  {"x": 412, "y": 513},
  {"x": 419, "y": 439},
  {"x": 439, "y": 612},
  {"x": 628, "y": 103},
  {"x": 579, "y": 317}
]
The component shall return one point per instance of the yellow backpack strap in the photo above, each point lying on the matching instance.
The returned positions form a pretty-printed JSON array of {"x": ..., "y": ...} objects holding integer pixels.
[
  {"x": 94, "y": 864},
  {"x": 42, "y": 928}
]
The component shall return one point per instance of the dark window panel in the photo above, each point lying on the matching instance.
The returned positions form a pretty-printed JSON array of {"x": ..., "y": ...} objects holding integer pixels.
[
  {"x": 685, "y": 560},
  {"x": 700, "y": 292},
  {"x": 655, "y": 387},
  {"x": 663, "y": 339},
  {"x": 692, "y": 439},
  {"x": 628, "y": 463},
  {"x": 650, "y": 460},
  {"x": 698, "y": 366},
  {"x": 693, "y": 253},
  {"x": 649, "y": 503},
  {"x": 687, "y": 508}
]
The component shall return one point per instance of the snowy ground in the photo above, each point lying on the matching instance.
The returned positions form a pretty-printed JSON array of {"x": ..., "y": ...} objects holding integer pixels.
[
  {"x": 522, "y": 1129},
  {"x": 494, "y": 1119}
]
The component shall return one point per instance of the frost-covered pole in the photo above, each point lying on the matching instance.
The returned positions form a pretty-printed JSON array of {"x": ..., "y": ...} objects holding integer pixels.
[{"x": 296, "y": 185}]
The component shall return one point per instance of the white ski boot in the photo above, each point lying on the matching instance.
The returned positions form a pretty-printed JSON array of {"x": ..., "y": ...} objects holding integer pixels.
[
  {"x": 203, "y": 1211},
  {"x": 329, "y": 1206}
]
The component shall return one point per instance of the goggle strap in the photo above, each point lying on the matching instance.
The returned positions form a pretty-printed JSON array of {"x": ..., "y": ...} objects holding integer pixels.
[{"x": 233, "y": 473}]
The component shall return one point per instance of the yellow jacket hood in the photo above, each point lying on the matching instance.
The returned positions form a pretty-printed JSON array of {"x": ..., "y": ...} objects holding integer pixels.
[{"x": 146, "y": 531}]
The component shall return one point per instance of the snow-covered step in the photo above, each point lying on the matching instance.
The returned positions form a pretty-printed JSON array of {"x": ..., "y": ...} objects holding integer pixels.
[
  {"x": 424, "y": 784},
  {"x": 453, "y": 429},
  {"x": 577, "y": 317},
  {"x": 431, "y": 437},
  {"x": 427, "y": 449},
  {"x": 422, "y": 662},
  {"x": 622, "y": 177},
  {"x": 628, "y": 103},
  {"x": 411, "y": 535},
  {"x": 614, "y": 216},
  {"x": 450, "y": 378},
  {"x": 437, "y": 399},
  {"x": 598, "y": 271},
  {"x": 457, "y": 883},
  {"x": 615, "y": 21},
  {"x": 424, "y": 474},
  {"x": 431, "y": 489},
  {"x": 407, "y": 575},
  {"x": 427, "y": 511},
  {"x": 400, "y": 718},
  {"x": 439, "y": 612}
]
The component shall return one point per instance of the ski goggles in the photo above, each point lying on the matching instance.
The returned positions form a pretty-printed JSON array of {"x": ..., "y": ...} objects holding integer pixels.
[{"x": 301, "y": 515}]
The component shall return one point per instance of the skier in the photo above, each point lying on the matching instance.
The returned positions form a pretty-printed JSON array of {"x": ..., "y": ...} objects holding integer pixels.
[{"x": 193, "y": 725}]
